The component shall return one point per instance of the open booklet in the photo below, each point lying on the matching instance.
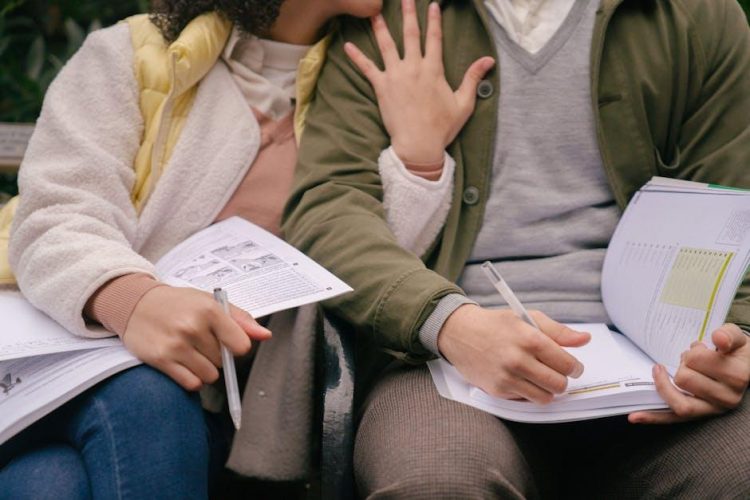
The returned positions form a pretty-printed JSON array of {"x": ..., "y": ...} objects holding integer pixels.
[
  {"x": 674, "y": 264},
  {"x": 42, "y": 365}
]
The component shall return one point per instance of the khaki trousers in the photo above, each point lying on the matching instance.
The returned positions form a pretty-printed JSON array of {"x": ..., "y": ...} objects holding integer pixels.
[{"x": 412, "y": 443}]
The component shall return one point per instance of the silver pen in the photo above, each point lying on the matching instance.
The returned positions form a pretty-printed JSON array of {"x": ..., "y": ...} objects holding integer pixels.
[
  {"x": 230, "y": 373},
  {"x": 507, "y": 294},
  {"x": 515, "y": 305}
]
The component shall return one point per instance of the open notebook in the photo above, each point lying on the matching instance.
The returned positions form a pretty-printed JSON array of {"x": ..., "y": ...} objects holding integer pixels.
[
  {"x": 672, "y": 269},
  {"x": 42, "y": 365}
]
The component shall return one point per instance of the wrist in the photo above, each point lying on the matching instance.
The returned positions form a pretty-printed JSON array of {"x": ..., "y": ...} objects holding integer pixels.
[
  {"x": 418, "y": 153},
  {"x": 430, "y": 329},
  {"x": 452, "y": 329},
  {"x": 113, "y": 303}
]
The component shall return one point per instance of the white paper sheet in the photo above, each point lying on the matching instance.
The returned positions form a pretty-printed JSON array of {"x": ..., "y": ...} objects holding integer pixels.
[
  {"x": 32, "y": 387},
  {"x": 27, "y": 331},
  {"x": 42, "y": 365},
  {"x": 616, "y": 380},
  {"x": 261, "y": 273},
  {"x": 673, "y": 267}
]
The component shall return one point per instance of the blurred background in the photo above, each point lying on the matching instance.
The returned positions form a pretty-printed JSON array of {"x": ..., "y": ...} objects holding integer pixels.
[{"x": 36, "y": 38}]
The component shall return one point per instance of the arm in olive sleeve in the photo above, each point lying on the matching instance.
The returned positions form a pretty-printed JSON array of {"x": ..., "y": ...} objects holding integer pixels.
[{"x": 336, "y": 215}]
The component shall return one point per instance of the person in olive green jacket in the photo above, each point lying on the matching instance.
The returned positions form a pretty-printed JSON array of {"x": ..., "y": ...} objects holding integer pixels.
[{"x": 590, "y": 99}]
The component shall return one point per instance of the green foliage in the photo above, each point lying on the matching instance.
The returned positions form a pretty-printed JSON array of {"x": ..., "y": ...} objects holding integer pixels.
[
  {"x": 746, "y": 5},
  {"x": 8, "y": 186},
  {"x": 37, "y": 37}
]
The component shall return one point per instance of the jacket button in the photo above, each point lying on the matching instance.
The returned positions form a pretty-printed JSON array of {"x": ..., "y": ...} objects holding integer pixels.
[
  {"x": 485, "y": 89},
  {"x": 471, "y": 195}
]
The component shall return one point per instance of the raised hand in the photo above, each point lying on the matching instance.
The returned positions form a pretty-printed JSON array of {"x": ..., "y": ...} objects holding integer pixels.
[
  {"x": 420, "y": 111},
  {"x": 708, "y": 382},
  {"x": 178, "y": 330}
]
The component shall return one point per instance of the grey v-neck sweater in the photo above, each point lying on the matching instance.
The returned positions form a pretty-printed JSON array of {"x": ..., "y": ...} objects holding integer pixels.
[{"x": 550, "y": 212}]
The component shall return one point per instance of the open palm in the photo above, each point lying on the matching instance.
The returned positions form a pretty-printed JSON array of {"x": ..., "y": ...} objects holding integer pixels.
[{"x": 420, "y": 111}]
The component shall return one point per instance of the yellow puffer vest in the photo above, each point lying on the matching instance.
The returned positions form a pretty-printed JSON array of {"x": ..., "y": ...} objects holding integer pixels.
[{"x": 168, "y": 77}]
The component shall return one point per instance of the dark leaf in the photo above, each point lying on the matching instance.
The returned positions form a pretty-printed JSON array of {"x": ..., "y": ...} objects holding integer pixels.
[{"x": 35, "y": 58}]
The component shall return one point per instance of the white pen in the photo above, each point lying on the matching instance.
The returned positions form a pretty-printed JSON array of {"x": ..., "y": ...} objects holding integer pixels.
[
  {"x": 230, "y": 373},
  {"x": 507, "y": 294},
  {"x": 515, "y": 305}
]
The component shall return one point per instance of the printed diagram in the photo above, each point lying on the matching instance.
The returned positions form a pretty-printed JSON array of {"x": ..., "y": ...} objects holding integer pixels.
[
  {"x": 7, "y": 383},
  {"x": 234, "y": 251},
  {"x": 228, "y": 262},
  {"x": 207, "y": 281},
  {"x": 187, "y": 273},
  {"x": 265, "y": 261}
]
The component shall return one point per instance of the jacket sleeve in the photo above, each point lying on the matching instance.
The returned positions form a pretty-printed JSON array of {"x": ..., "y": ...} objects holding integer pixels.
[
  {"x": 714, "y": 142},
  {"x": 336, "y": 213},
  {"x": 75, "y": 223}
]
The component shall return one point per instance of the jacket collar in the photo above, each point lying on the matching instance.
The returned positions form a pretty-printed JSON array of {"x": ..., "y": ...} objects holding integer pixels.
[{"x": 196, "y": 49}]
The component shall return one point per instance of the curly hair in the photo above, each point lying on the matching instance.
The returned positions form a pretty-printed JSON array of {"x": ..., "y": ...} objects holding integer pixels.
[{"x": 251, "y": 16}]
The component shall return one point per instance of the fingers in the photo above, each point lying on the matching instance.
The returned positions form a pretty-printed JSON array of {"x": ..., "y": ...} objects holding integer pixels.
[
  {"x": 516, "y": 386},
  {"x": 561, "y": 334},
  {"x": 554, "y": 356},
  {"x": 208, "y": 346},
  {"x": 729, "y": 338},
  {"x": 412, "y": 48},
  {"x": 548, "y": 350},
  {"x": 434, "y": 41},
  {"x": 363, "y": 63},
  {"x": 683, "y": 406},
  {"x": 230, "y": 333},
  {"x": 183, "y": 376},
  {"x": 731, "y": 371},
  {"x": 385, "y": 41},
  {"x": 541, "y": 361},
  {"x": 200, "y": 366},
  {"x": 543, "y": 377},
  {"x": 252, "y": 328},
  {"x": 187, "y": 366},
  {"x": 531, "y": 392},
  {"x": 716, "y": 380},
  {"x": 707, "y": 389},
  {"x": 467, "y": 92},
  {"x": 654, "y": 417}
]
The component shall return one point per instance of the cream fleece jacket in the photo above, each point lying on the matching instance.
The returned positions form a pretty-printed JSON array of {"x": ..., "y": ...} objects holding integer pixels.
[{"x": 76, "y": 228}]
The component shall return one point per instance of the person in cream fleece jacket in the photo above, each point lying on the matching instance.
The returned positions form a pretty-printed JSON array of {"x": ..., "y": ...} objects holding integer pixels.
[{"x": 82, "y": 250}]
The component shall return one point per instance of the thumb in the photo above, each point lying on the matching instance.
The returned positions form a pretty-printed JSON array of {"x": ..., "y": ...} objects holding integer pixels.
[
  {"x": 562, "y": 334},
  {"x": 252, "y": 328},
  {"x": 466, "y": 95},
  {"x": 728, "y": 338}
]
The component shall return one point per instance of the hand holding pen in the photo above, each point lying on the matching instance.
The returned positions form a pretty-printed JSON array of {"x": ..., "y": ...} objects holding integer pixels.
[
  {"x": 179, "y": 331},
  {"x": 508, "y": 356}
]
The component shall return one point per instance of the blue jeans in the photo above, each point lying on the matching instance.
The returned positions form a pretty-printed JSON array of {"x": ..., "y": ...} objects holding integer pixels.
[{"x": 136, "y": 435}]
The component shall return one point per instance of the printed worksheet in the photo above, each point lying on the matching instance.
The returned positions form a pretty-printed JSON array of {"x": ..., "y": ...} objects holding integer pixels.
[
  {"x": 27, "y": 331},
  {"x": 42, "y": 365},
  {"x": 261, "y": 273},
  {"x": 32, "y": 387}
]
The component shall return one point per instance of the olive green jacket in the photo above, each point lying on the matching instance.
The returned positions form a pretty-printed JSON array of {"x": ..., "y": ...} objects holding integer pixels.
[{"x": 671, "y": 97}]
